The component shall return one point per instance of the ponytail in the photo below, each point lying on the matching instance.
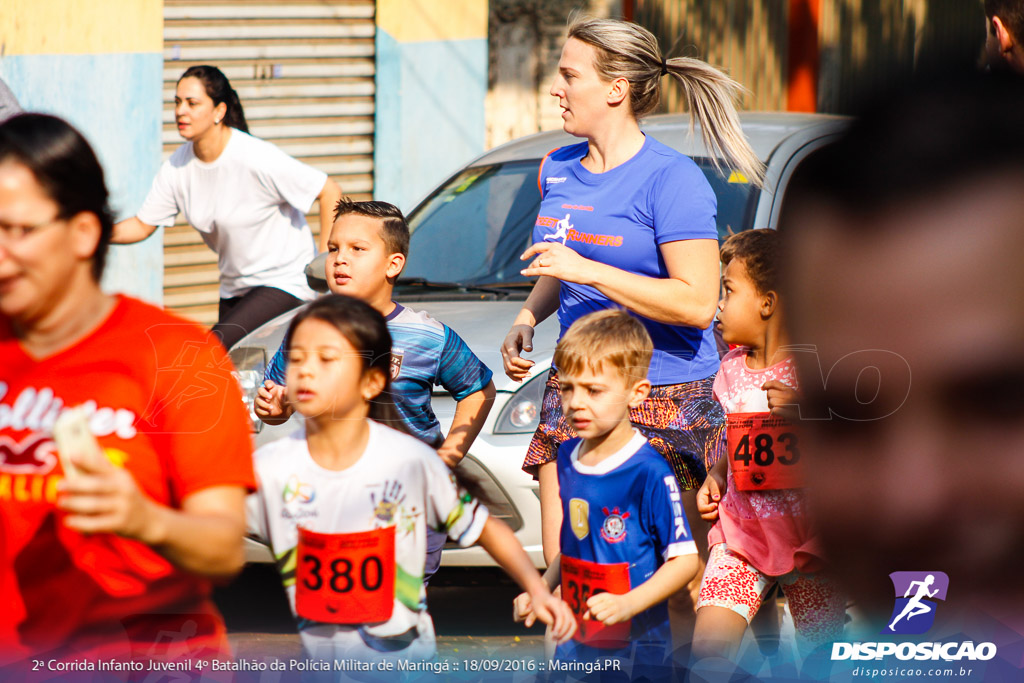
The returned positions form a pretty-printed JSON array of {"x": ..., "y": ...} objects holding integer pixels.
[
  {"x": 626, "y": 50},
  {"x": 710, "y": 97},
  {"x": 219, "y": 89},
  {"x": 235, "y": 116}
]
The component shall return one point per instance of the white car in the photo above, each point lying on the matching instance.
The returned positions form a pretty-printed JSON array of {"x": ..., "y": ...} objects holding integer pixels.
[{"x": 463, "y": 269}]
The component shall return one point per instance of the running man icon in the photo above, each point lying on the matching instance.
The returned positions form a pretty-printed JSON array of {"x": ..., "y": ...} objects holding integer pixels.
[
  {"x": 915, "y": 606},
  {"x": 562, "y": 229},
  {"x": 920, "y": 591}
]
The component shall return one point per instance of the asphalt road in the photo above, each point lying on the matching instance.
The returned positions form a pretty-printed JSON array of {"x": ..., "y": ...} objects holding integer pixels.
[{"x": 472, "y": 611}]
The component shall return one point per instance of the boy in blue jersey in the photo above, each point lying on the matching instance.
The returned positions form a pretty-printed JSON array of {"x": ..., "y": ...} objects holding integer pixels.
[
  {"x": 367, "y": 249},
  {"x": 625, "y": 544}
]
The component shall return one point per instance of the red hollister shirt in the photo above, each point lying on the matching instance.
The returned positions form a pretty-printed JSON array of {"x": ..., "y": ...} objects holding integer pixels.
[{"x": 164, "y": 405}]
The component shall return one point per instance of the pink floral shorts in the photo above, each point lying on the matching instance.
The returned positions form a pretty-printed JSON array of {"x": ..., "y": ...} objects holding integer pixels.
[{"x": 815, "y": 600}]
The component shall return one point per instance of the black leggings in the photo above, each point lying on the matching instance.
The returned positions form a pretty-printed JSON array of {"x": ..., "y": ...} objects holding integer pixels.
[{"x": 240, "y": 315}]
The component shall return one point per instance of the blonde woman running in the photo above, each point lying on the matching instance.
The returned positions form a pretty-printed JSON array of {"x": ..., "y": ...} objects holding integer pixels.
[{"x": 638, "y": 220}]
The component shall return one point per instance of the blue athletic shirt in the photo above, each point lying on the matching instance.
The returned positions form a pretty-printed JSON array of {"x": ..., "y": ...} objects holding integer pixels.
[
  {"x": 424, "y": 352},
  {"x": 620, "y": 218},
  {"x": 628, "y": 508}
]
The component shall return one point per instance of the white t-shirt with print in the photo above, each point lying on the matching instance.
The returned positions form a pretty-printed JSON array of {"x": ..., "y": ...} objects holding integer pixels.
[
  {"x": 249, "y": 205},
  {"x": 398, "y": 481}
]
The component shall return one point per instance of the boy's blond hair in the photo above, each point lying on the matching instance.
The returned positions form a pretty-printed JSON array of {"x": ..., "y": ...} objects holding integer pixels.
[{"x": 611, "y": 338}]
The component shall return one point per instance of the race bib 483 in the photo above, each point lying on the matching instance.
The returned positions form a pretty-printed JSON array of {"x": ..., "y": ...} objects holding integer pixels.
[{"x": 764, "y": 452}]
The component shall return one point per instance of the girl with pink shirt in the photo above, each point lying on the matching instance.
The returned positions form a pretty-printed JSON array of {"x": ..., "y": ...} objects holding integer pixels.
[{"x": 761, "y": 536}]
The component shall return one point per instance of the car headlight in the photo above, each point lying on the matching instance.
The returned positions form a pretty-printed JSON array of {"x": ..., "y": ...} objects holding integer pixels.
[
  {"x": 521, "y": 414},
  {"x": 249, "y": 361}
]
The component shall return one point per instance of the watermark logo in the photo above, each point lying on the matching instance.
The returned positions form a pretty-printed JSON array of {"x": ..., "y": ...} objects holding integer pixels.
[{"x": 917, "y": 594}]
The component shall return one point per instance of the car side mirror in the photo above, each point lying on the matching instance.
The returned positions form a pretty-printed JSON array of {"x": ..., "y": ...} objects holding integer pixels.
[{"x": 315, "y": 273}]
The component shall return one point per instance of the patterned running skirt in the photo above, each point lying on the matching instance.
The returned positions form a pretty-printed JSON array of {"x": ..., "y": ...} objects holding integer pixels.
[{"x": 682, "y": 421}]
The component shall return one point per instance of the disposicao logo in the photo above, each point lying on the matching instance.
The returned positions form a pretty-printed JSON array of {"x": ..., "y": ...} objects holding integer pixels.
[{"x": 917, "y": 594}]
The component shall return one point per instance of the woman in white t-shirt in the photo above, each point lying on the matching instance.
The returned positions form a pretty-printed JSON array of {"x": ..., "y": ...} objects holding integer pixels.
[{"x": 247, "y": 199}]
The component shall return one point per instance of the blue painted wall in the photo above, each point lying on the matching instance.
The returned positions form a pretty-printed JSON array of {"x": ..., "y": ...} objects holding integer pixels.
[
  {"x": 430, "y": 113},
  {"x": 115, "y": 100}
]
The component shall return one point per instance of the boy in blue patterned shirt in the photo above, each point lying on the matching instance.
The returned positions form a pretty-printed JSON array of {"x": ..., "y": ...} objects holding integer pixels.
[{"x": 367, "y": 249}]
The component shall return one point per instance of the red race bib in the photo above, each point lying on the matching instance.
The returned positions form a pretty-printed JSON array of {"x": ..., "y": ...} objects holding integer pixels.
[
  {"x": 763, "y": 452},
  {"x": 345, "y": 578},
  {"x": 582, "y": 579}
]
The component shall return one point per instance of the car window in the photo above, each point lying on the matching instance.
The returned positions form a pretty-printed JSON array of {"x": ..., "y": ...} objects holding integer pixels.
[
  {"x": 473, "y": 228},
  {"x": 737, "y": 199}
]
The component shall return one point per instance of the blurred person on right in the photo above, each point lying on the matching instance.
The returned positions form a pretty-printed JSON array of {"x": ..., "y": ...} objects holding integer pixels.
[
  {"x": 904, "y": 280},
  {"x": 1004, "y": 30}
]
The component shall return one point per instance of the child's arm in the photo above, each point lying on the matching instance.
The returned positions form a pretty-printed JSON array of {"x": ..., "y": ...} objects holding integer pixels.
[
  {"x": 711, "y": 491},
  {"x": 498, "y": 540},
  {"x": 783, "y": 400},
  {"x": 468, "y": 380},
  {"x": 522, "y": 608},
  {"x": 270, "y": 405},
  {"x": 670, "y": 578},
  {"x": 470, "y": 414}
]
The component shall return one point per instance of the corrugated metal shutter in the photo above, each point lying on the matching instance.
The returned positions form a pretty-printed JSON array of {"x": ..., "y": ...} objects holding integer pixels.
[{"x": 304, "y": 71}]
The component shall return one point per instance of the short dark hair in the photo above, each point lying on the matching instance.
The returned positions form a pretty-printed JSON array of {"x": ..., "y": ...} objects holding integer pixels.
[
  {"x": 394, "y": 228},
  {"x": 367, "y": 331},
  {"x": 1010, "y": 12},
  {"x": 65, "y": 166},
  {"x": 760, "y": 252},
  {"x": 219, "y": 89}
]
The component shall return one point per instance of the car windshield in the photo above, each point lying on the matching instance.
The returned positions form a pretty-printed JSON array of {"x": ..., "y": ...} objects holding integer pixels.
[{"x": 473, "y": 228}]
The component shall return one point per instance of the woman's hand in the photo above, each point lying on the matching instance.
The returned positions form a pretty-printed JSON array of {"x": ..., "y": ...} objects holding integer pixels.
[
  {"x": 102, "y": 498},
  {"x": 558, "y": 261},
  {"x": 518, "y": 339}
]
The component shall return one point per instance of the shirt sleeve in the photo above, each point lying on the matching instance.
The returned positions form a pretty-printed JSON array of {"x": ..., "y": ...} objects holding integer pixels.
[
  {"x": 450, "y": 508},
  {"x": 295, "y": 182},
  {"x": 201, "y": 419},
  {"x": 683, "y": 204},
  {"x": 160, "y": 207},
  {"x": 459, "y": 371},
  {"x": 275, "y": 370},
  {"x": 719, "y": 388},
  {"x": 256, "y": 516},
  {"x": 663, "y": 511}
]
